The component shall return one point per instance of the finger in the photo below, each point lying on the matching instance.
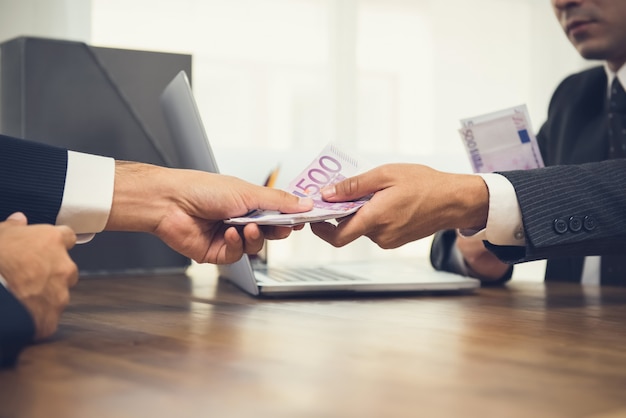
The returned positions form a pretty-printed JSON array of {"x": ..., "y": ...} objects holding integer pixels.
[
  {"x": 234, "y": 246},
  {"x": 68, "y": 235},
  {"x": 343, "y": 218},
  {"x": 253, "y": 239},
  {"x": 72, "y": 278},
  {"x": 279, "y": 232},
  {"x": 354, "y": 187},
  {"x": 334, "y": 235},
  {"x": 18, "y": 218},
  {"x": 273, "y": 199}
]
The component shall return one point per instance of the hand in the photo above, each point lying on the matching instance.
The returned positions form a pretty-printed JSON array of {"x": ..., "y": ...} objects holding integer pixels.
[
  {"x": 185, "y": 208},
  {"x": 480, "y": 262},
  {"x": 37, "y": 268},
  {"x": 410, "y": 202}
]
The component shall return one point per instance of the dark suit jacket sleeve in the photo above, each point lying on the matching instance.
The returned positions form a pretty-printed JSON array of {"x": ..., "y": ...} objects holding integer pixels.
[
  {"x": 573, "y": 210},
  {"x": 16, "y": 328},
  {"x": 440, "y": 249},
  {"x": 32, "y": 180}
]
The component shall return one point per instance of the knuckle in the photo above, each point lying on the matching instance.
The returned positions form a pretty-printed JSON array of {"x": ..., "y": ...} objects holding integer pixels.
[
  {"x": 384, "y": 241},
  {"x": 51, "y": 327},
  {"x": 338, "y": 243},
  {"x": 47, "y": 326},
  {"x": 67, "y": 272},
  {"x": 73, "y": 277},
  {"x": 63, "y": 299},
  {"x": 287, "y": 199},
  {"x": 71, "y": 270},
  {"x": 386, "y": 245},
  {"x": 385, "y": 171},
  {"x": 352, "y": 186},
  {"x": 52, "y": 235}
]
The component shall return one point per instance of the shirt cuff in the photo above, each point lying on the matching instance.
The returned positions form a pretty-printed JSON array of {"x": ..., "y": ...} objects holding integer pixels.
[
  {"x": 88, "y": 194},
  {"x": 504, "y": 219}
]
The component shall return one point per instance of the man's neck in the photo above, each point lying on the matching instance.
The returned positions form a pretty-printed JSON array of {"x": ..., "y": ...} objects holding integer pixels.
[{"x": 614, "y": 66}]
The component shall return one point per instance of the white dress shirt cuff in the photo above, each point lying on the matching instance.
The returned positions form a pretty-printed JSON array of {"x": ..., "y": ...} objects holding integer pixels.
[
  {"x": 504, "y": 219},
  {"x": 88, "y": 194}
]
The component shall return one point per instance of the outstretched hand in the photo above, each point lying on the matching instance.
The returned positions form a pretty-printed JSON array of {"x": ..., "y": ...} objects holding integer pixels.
[
  {"x": 186, "y": 209},
  {"x": 410, "y": 202}
]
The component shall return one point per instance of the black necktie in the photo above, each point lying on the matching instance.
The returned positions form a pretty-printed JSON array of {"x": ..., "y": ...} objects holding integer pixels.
[
  {"x": 617, "y": 120},
  {"x": 614, "y": 266}
]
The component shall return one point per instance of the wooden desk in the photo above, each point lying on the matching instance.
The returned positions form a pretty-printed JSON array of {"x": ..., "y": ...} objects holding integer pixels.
[{"x": 180, "y": 347}]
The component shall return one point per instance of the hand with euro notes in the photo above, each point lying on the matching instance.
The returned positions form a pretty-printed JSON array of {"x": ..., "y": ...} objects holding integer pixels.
[{"x": 409, "y": 202}]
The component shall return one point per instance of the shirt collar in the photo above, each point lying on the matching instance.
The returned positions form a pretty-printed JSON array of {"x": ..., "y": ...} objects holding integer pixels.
[{"x": 610, "y": 76}]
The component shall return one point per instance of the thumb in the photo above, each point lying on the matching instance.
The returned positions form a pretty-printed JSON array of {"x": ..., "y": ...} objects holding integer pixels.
[
  {"x": 352, "y": 188},
  {"x": 280, "y": 200},
  {"x": 18, "y": 218},
  {"x": 68, "y": 235}
]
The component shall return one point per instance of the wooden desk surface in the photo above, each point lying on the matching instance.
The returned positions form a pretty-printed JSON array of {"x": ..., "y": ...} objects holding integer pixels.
[{"x": 180, "y": 347}]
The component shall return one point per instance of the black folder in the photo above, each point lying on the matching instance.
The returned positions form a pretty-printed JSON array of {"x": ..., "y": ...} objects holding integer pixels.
[{"x": 97, "y": 100}]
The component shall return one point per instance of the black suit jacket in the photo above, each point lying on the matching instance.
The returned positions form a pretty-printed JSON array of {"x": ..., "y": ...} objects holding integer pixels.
[
  {"x": 575, "y": 132},
  {"x": 32, "y": 180}
]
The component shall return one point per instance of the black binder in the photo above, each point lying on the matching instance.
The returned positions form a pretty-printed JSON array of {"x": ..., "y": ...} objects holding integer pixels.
[{"x": 97, "y": 100}]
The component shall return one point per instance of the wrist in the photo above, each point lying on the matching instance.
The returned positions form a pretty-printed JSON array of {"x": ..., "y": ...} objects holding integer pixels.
[
  {"x": 469, "y": 206},
  {"x": 138, "y": 203}
]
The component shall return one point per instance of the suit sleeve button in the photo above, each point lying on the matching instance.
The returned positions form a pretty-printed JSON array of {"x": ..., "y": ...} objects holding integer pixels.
[
  {"x": 575, "y": 223},
  {"x": 589, "y": 223},
  {"x": 560, "y": 226}
]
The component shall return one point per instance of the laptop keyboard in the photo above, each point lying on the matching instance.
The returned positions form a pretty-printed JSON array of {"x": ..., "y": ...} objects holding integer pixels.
[{"x": 307, "y": 275}]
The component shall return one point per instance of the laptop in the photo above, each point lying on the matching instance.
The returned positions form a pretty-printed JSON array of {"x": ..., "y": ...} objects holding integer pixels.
[{"x": 258, "y": 279}]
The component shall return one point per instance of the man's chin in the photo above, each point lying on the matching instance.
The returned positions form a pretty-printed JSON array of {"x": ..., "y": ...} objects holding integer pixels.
[{"x": 592, "y": 51}]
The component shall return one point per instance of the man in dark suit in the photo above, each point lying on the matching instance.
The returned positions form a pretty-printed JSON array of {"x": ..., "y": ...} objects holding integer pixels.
[
  {"x": 576, "y": 131},
  {"x": 561, "y": 216},
  {"x": 84, "y": 194}
]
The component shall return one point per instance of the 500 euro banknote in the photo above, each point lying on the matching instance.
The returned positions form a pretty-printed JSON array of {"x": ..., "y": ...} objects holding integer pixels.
[
  {"x": 501, "y": 141},
  {"x": 331, "y": 166}
]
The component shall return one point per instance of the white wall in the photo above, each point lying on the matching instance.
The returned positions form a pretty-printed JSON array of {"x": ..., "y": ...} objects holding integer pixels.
[{"x": 64, "y": 19}]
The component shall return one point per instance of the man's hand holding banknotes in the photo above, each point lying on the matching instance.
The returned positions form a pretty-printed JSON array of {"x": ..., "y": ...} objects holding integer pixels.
[
  {"x": 412, "y": 201},
  {"x": 409, "y": 202}
]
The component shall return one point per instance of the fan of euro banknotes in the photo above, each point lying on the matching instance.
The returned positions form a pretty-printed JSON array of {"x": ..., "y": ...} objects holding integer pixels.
[
  {"x": 331, "y": 166},
  {"x": 501, "y": 141}
]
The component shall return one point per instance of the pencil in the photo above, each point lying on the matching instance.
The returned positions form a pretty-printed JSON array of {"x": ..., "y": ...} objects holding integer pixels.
[{"x": 271, "y": 179}]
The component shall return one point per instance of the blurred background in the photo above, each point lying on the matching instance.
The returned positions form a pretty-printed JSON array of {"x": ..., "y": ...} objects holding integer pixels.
[{"x": 276, "y": 80}]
